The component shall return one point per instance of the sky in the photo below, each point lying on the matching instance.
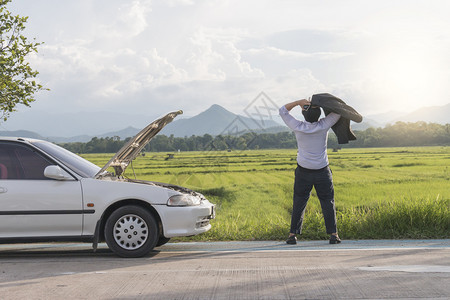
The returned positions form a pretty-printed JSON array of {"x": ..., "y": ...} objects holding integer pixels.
[{"x": 152, "y": 56}]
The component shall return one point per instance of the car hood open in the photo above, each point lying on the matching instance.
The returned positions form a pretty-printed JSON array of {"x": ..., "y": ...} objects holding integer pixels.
[{"x": 131, "y": 150}]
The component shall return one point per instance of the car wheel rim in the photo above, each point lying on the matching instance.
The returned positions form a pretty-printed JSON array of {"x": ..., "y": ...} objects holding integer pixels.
[{"x": 130, "y": 232}]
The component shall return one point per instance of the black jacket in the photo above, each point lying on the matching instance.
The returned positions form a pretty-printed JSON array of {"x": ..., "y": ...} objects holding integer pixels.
[{"x": 330, "y": 103}]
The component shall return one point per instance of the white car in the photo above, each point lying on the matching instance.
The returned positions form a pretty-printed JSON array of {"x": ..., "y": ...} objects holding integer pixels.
[{"x": 50, "y": 194}]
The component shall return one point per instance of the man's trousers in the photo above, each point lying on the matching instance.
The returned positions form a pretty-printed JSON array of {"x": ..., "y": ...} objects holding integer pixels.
[{"x": 322, "y": 181}]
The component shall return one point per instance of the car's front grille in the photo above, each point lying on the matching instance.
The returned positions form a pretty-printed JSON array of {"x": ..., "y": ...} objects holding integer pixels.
[{"x": 202, "y": 222}]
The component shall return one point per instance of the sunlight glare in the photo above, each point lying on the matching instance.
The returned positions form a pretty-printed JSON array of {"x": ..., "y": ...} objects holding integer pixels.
[{"x": 406, "y": 74}]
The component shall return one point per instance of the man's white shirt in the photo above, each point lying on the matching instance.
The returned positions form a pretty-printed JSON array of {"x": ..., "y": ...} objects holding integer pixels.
[{"x": 311, "y": 139}]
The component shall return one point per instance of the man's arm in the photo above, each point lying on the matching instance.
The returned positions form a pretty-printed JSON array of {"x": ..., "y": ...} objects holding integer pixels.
[
  {"x": 301, "y": 103},
  {"x": 288, "y": 119}
]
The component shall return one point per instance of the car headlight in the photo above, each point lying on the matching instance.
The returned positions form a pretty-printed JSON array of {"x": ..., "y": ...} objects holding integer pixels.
[{"x": 183, "y": 200}]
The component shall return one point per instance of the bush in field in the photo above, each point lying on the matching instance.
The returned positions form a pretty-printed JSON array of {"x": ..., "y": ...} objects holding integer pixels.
[{"x": 406, "y": 218}]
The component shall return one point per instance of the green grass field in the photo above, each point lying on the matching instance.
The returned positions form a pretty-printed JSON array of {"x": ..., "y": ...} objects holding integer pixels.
[{"x": 379, "y": 192}]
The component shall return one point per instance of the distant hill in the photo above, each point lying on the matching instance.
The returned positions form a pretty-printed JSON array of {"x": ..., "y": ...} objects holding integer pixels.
[
  {"x": 72, "y": 139},
  {"x": 22, "y": 133},
  {"x": 217, "y": 120},
  {"x": 123, "y": 134},
  {"x": 366, "y": 123},
  {"x": 214, "y": 121},
  {"x": 383, "y": 118},
  {"x": 434, "y": 114},
  {"x": 76, "y": 124}
]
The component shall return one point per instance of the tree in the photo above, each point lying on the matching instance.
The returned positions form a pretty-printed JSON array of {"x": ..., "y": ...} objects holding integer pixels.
[{"x": 17, "y": 78}]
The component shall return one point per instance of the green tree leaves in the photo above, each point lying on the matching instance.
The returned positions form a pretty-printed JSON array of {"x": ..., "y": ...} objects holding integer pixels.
[{"x": 17, "y": 78}]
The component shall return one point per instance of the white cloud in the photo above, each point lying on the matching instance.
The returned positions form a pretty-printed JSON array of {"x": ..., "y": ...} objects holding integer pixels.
[
  {"x": 153, "y": 56},
  {"x": 102, "y": 77},
  {"x": 287, "y": 54},
  {"x": 212, "y": 55},
  {"x": 175, "y": 3},
  {"x": 129, "y": 20}
]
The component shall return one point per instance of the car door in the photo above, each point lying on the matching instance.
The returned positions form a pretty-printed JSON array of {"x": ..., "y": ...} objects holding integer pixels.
[{"x": 32, "y": 205}]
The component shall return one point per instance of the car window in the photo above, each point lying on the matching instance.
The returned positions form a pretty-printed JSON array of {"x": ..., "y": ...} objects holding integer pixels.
[
  {"x": 76, "y": 163},
  {"x": 21, "y": 162},
  {"x": 5, "y": 162}
]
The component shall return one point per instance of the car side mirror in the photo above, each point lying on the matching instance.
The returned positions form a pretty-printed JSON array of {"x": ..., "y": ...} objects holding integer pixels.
[{"x": 55, "y": 172}]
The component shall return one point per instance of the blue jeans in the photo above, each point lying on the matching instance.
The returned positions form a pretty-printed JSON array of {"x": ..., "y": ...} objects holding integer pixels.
[{"x": 322, "y": 181}]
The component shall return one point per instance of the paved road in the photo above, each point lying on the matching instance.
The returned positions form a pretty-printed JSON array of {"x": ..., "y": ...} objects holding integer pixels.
[{"x": 383, "y": 269}]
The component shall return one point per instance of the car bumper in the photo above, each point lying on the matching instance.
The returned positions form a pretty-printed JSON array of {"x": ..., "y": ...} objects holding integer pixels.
[{"x": 186, "y": 220}]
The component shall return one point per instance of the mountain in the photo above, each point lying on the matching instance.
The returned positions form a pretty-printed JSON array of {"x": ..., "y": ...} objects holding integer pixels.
[
  {"x": 383, "y": 118},
  {"x": 76, "y": 124},
  {"x": 366, "y": 123},
  {"x": 430, "y": 114},
  {"x": 123, "y": 134},
  {"x": 72, "y": 139},
  {"x": 214, "y": 121},
  {"x": 434, "y": 114},
  {"x": 22, "y": 133}
]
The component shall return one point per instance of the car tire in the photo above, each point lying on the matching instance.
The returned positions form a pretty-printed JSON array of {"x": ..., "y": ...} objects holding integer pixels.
[
  {"x": 162, "y": 241},
  {"x": 131, "y": 231}
]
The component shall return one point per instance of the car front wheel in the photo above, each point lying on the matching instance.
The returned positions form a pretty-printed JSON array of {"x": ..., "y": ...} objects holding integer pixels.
[{"x": 131, "y": 231}]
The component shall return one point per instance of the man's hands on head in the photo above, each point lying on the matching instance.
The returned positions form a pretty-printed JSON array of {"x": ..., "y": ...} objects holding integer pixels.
[
  {"x": 303, "y": 102},
  {"x": 300, "y": 103}
]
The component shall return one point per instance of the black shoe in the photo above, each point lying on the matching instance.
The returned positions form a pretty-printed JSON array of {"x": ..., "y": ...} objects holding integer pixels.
[
  {"x": 334, "y": 239},
  {"x": 292, "y": 240}
]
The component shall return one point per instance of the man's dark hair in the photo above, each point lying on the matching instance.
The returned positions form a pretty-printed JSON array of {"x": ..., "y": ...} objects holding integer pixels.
[{"x": 312, "y": 114}]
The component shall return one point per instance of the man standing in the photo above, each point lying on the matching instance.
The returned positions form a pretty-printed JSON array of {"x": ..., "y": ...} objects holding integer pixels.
[{"x": 312, "y": 166}]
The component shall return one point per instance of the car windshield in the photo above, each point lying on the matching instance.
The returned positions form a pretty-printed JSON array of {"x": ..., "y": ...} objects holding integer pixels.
[{"x": 76, "y": 163}]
